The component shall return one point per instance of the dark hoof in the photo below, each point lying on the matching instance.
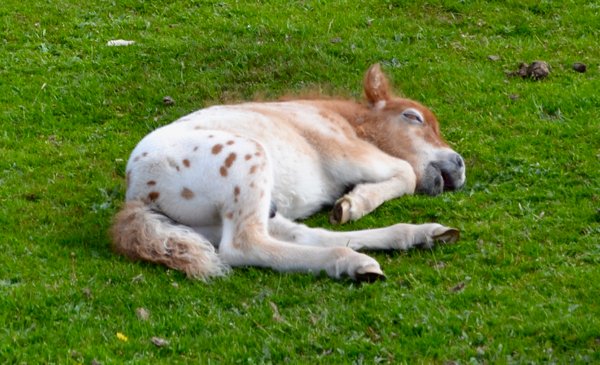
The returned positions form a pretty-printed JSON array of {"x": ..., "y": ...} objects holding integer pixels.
[
  {"x": 450, "y": 235},
  {"x": 340, "y": 213},
  {"x": 370, "y": 277}
]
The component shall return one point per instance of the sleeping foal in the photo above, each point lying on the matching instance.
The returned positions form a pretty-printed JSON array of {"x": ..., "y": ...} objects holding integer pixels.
[{"x": 221, "y": 187}]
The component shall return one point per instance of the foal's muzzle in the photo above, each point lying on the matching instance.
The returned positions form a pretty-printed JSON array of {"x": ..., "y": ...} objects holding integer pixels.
[{"x": 443, "y": 174}]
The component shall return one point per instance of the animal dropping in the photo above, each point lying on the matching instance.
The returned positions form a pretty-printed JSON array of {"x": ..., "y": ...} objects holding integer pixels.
[
  {"x": 580, "y": 67},
  {"x": 536, "y": 71},
  {"x": 222, "y": 186}
]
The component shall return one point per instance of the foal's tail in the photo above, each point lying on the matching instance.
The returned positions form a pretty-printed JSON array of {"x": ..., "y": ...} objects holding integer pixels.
[{"x": 143, "y": 234}]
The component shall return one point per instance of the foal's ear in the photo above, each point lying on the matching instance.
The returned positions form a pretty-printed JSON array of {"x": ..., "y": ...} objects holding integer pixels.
[{"x": 377, "y": 88}]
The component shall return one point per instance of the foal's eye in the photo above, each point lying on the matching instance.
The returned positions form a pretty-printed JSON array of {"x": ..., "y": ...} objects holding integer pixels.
[{"x": 413, "y": 116}]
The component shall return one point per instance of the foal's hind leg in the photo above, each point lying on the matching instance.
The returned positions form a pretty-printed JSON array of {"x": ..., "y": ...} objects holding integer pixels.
[{"x": 246, "y": 241}]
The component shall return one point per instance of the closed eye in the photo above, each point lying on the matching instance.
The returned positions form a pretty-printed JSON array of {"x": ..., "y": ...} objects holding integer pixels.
[{"x": 413, "y": 116}]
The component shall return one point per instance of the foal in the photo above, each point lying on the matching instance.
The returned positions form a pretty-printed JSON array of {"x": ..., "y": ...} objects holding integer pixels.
[{"x": 202, "y": 191}]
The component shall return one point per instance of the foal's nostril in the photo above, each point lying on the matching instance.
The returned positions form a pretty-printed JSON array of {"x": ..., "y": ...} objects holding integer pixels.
[{"x": 459, "y": 161}]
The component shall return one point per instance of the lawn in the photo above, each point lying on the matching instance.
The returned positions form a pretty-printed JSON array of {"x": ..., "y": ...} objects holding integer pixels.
[{"x": 521, "y": 286}]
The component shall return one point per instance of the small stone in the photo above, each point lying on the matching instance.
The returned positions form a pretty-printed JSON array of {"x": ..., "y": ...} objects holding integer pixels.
[
  {"x": 335, "y": 40},
  {"x": 142, "y": 313},
  {"x": 119, "y": 43},
  {"x": 439, "y": 265},
  {"x": 87, "y": 292},
  {"x": 580, "y": 67},
  {"x": 493, "y": 57},
  {"x": 458, "y": 287},
  {"x": 514, "y": 96},
  {"x": 276, "y": 315},
  {"x": 138, "y": 279},
  {"x": 168, "y": 101},
  {"x": 159, "y": 342},
  {"x": 53, "y": 139}
]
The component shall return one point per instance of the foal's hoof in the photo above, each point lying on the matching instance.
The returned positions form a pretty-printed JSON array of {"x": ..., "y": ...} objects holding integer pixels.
[
  {"x": 446, "y": 235},
  {"x": 436, "y": 233},
  {"x": 340, "y": 213},
  {"x": 369, "y": 274}
]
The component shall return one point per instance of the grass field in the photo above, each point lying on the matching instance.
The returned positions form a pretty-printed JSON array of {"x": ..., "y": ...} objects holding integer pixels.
[{"x": 521, "y": 286}]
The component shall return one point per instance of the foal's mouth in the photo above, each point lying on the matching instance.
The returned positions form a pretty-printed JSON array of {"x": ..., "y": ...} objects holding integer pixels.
[{"x": 442, "y": 175}]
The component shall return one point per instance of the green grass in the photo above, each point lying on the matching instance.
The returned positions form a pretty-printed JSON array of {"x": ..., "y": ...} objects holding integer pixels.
[{"x": 521, "y": 286}]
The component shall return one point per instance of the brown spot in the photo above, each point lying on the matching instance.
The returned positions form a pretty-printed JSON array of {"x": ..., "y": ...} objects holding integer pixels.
[
  {"x": 217, "y": 148},
  {"x": 257, "y": 154},
  {"x": 236, "y": 193},
  {"x": 229, "y": 160},
  {"x": 253, "y": 169},
  {"x": 186, "y": 163},
  {"x": 139, "y": 157},
  {"x": 223, "y": 171},
  {"x": 229, "y": 215},
  {"x": 247, "y": 157},
  {"x": 195, "y": 148},
  {"x": 151, "y": 183},
  {"x": 187, "y": 193},
  {"x": 230, "y": 142},
  {"x": 153, "y": 195}
]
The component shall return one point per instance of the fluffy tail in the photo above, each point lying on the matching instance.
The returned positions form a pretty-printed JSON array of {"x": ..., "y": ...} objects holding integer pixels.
[{"x": 142, "y": 234}]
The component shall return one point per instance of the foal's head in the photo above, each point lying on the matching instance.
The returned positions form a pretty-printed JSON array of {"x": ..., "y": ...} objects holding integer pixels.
[{"x": 408, "y": 130}]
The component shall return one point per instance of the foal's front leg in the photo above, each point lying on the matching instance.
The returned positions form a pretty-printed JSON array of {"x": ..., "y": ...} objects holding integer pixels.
[{"x": 366, "y": 197}]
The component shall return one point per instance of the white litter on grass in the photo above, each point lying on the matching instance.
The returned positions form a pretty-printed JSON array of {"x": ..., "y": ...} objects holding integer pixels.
[{"x": 119, "y": 43}]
